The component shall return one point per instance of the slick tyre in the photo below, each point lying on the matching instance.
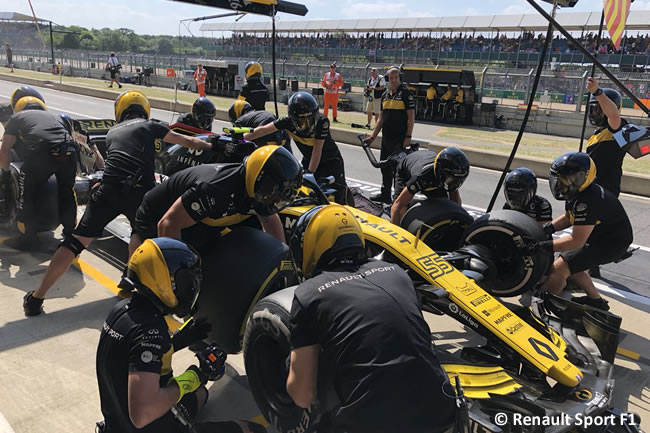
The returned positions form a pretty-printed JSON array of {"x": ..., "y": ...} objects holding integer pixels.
[
  {"x": 444, "y": 223},
  {"x": 266, "y": 350},
  {"x": 8, "y": 220},
  {"x": 505, "y": 233}
]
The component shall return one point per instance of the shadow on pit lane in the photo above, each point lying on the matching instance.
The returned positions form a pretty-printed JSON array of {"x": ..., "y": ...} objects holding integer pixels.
[
  {"x": 34, "y": 329},
  {"x": 632, "y": 388},
  {"x": 31, "y": 268}
]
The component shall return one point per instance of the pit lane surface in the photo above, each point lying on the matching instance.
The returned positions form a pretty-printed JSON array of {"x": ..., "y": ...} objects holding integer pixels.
[{"x": 47, "y": 380}]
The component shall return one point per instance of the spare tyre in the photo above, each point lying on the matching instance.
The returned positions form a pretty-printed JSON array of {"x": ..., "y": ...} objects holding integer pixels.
[
  {"x": 266, "y": 354},
  {"x": 505, "y": 233},
  {"x": 232, "y": 283},
  {"x": 445, "y": 222}
]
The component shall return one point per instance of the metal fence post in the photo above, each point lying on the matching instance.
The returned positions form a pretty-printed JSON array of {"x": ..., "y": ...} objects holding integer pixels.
[
  {"x": 307, "y": 74},
  {"x": 530, "y": 80},
  {"x": 482, "y": 85},
  {"x": 581, "y": 91}
]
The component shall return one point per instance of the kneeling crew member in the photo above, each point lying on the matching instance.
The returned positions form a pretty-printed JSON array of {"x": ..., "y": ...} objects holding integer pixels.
[
  {"x": 48, "y": 149},
  {"x": 520, "y": 189},
  {"x": 202, "y": 114},
  {"x": 242, "y": 114},
  {"x": 601, "y": 229},
  {"x": 434, "y": 175},
  {"x": 396, "y": 121},
  {"x": 195, "y": 200},
  {"x": 128, "y": 175},
  {"x": 368, "y": 324},
  {"x": 137, "y": 388},
  {"x": 604, "y": 113},
  {"x": 254, "y": 91},
  {"x": 310, "y": 130}
]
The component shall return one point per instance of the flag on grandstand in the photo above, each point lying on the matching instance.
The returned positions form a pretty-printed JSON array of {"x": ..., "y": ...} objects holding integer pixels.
[{"x": 616, "y": 12}]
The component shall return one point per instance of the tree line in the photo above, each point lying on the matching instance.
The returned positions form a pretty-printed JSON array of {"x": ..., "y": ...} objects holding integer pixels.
[{"x": 118, "y": 40}]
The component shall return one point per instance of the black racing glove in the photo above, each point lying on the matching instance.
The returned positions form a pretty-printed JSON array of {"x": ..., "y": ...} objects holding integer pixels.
[
  {"x": 190, "y": 332},
  {"x": 549, "y": 229},
  {"x": 540, "y": 246}
]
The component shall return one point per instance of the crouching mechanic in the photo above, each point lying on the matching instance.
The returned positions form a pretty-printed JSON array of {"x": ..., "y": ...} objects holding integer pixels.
[
  {"x": 195, "y": 201},
  {"x": 434, "y": 175},
  {"x": 128, "y": 175},
  {"x": 48, "y": 149},
  {"x": 520, "y": 190},
  {"x": 201, "y": 116},
  {"x": 137, "y": 389},
  {"x": 242, "y": 114},
  {"x": 361, "y": 318},
  {"x": 310, "y": 130},
  {"x": 601, "y": 229}
]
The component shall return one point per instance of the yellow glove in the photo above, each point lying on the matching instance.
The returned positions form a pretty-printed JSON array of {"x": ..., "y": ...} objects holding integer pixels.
[{"x": 191, "y": 380}]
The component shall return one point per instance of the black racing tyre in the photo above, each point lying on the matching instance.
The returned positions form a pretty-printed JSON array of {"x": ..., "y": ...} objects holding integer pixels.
[
  {"x": 266, "y": 350},
  {"x": 446, "y": 221},
  {"x": 505, "y": 232},
  {"x": 8, "y": 221}
]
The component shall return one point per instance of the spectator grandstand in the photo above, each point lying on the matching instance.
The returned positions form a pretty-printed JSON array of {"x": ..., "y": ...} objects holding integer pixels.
[
  {"x": 474, "y": 39},
  {"x": 20, "y": 31}
]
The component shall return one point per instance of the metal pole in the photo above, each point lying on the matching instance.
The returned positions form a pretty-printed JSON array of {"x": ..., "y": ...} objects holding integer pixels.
[
  {"x": 52, "y": 45},
  {"x": 483, "y": 74},
  {"x": 275, "y": 89},
  {"x": 593, "y": 71},
  {"x": 590, "y": 56},
  {"x": 580, "y": 93},
  {"x": 531, "y": 99}
]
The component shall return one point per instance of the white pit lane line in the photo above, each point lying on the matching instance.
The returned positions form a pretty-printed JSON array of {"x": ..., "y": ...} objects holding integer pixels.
[
  {"x": 612, "y": 291},
  {"x": 4, "y": 425}
]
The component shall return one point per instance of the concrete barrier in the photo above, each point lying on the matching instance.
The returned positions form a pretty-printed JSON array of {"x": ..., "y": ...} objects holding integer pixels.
[{"x": 631, "y": 183}]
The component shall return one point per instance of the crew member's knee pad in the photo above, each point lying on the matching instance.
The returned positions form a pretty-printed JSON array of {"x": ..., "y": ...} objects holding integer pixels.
[{"x": 73, "y": 244}]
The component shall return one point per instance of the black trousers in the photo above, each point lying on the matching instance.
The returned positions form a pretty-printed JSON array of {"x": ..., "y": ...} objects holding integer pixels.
[
  {"x": 389, "y": 146},
  {"x": 34, "y": 175}
]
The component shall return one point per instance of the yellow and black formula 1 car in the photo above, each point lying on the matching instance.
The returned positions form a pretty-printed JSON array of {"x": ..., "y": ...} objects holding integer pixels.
[{"x": 551, "y": 358}]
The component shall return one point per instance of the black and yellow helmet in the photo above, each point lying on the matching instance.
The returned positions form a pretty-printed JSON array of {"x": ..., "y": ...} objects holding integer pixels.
[
  {"x": 21, "y": 92},
  {"x": 251, "y": 69},
  {"x": 325, "y": 234},
  {"x": 596, "y": 115},
  {"x": 570, "y": 174},
  {"x": 29, "y": 103},
  {"x": 168, "y": 273},
  {"x": 238, "y": 109},
  {"x": 451, "y": 168},
  {"x": 131, "y": 102},
  {"x": 273, "y": 177}
]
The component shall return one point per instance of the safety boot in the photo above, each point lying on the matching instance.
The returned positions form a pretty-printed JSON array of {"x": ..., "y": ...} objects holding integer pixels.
[
  {"x": 383, "y": 197},
  {"x": 32, "y": 305},
  {"x": 23, "y": 242},
  {"x": 599, "y": 303}
]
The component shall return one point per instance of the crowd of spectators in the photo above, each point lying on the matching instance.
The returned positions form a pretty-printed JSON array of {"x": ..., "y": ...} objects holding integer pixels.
[{"x": 527, "y": 42}]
